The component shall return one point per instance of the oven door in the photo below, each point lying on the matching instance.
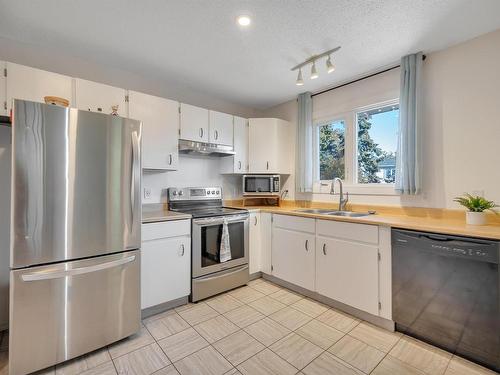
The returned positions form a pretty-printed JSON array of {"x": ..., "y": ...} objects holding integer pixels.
[{"x": 207, "y": 236}]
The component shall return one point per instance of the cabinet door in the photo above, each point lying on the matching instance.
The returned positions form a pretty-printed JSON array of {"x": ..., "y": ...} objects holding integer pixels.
[
  {"x": 165, "y": 270},
  {"x": 160, "y": 130},
  {"x": 266, "y": 231},
  {"x": 255, "y": 243},
  {"x": 240, "y": 145},
  {"x": 221, "y": 128},
  {"x": 293, "y": 257},
  {"x": 3, "y": 89},
  {"x": 33, "y": 84},
  {"x": 194, "y": 123},
  {"x": 262, "y": 146},
  {"x": 348, "y": 272},
  {"x": 97, "y": 97}
]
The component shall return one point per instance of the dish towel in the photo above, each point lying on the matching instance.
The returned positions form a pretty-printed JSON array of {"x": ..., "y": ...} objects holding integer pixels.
[{"x": 225, "y": 244}]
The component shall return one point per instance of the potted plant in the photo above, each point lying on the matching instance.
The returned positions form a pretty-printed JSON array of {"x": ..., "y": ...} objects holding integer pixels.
[{"x": 476, "y": 207}]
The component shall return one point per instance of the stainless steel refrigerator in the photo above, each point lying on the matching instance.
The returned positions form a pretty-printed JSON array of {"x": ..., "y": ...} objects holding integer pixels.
[{"x": 75, "y": 233}]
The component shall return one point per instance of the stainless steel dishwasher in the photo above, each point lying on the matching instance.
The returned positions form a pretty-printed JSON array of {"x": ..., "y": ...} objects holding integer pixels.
[{"x": 446, "y": 292}]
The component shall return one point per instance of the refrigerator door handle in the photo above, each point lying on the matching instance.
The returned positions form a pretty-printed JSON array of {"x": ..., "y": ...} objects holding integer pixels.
[
  {"x": 57, "y": 274},
  {"x": 135, "y": 177}
]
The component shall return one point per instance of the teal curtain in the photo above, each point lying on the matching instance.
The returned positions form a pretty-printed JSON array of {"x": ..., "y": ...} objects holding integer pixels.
[
  {"x": 408, "y": 160},
  {"x": 304, "y": 155}
]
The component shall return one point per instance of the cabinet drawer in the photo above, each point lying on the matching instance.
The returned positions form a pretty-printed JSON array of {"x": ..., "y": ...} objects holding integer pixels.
[
  {"x": 296, "y": 223},
  {"x": 174, "y": 228},
  {"x": 348, "y": 231}
]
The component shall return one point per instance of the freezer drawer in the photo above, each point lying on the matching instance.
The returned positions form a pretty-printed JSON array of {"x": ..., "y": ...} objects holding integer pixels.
[{"x": 61, "y": 311}]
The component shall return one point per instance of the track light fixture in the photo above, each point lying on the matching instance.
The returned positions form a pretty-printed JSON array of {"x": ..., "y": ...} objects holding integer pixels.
[
  {"x": 330, "y": 67},
  {"x": 314, "y": 73},
  {"x": 300, "y": 81}
]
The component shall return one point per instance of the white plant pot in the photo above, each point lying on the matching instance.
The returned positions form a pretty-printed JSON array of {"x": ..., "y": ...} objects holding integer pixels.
[{"x": 475, "y": 218}]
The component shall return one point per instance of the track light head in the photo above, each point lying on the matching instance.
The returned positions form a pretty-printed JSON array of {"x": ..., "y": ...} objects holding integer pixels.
[
  {"x": 329, "y": 65},
  {"x": 314, "y": 72},
  {"x": 300, "y": 81}
]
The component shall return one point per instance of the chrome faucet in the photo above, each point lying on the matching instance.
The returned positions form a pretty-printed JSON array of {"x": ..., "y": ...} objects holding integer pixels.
[{"x": 342, "y": 201}]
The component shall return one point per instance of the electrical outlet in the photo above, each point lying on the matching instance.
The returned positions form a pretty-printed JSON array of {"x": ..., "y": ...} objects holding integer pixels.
[{"x": 147, "y": 193}]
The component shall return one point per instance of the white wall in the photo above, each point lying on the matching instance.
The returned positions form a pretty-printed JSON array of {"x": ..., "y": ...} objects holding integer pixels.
[
  {"x": 461, "y": 121},
  {"x": 58, "y": 61},
  {"x": 193, "y": 171}
]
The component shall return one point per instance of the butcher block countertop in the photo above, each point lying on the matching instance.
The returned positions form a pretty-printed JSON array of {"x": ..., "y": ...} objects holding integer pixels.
[
  {"x": 435, "y": 220},
  {"x": 157, "y": 212}
]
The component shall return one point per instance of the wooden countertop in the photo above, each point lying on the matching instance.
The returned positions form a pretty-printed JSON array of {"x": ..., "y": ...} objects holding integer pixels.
[
  {"x": 152, "y": 213},
  {"x": 429, "y": 220}
]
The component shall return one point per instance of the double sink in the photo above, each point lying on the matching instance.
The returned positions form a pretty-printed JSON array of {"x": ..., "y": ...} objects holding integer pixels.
[{"x": 322, "y": 211}]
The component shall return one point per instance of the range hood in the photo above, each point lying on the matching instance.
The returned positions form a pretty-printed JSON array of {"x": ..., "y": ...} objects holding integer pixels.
[{"x": 201, "y": 148}]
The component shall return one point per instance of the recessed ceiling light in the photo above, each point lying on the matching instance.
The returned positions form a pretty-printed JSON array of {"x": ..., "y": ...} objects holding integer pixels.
[{"x": 244, "y": 20}]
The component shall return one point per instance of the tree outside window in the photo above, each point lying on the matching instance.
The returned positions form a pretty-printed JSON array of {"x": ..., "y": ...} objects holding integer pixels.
[
  {"x": 331, "y": 150},
  {"x": 377, "y": 137}
]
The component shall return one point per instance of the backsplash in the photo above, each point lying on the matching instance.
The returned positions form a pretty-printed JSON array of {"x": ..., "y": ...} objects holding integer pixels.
[{"x": 193, "y": 171}]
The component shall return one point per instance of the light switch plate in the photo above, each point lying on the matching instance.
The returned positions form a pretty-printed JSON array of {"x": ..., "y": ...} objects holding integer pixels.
[{"x": 147, "y": 193}]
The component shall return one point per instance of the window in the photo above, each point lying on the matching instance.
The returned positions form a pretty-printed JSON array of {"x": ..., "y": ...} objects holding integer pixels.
[
  {"x": 359, "y": 147},
  {"x": 377, "y": 133},
  {"x": 331, "y": 150}
]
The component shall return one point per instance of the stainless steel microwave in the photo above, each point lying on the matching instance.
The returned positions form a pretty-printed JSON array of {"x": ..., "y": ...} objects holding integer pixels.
[{"x": 261, "y": 184}]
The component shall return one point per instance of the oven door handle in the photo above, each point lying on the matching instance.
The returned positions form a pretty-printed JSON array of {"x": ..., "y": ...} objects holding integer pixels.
[
  {"x": 209, "y": 278},
  {"x": 220, "y": 220}
]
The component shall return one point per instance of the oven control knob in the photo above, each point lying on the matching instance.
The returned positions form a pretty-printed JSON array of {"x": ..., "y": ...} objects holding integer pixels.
[
  {"x": 218, "y": 192},
  {"x": 174, "y": 193},
  {"x": 181, "y": 192}
]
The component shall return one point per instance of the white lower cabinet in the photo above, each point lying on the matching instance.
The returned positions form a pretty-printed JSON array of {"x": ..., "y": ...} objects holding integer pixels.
[
  {"x": 293, "y": 258},
  {"x": 255, "y": 243},
  {"x": 348, "y": 272},
  {"x": 266, "y": 235},
  {"x": 165, "y": 262}
]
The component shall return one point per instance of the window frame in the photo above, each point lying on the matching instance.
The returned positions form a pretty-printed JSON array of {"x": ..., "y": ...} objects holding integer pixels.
[{"x": 351, "y": 183}]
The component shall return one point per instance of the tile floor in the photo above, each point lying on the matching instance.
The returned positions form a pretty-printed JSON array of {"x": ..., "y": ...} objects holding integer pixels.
[{"x": 261, "y": 329}]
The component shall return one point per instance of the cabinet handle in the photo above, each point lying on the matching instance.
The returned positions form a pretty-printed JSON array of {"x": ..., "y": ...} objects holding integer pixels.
[
  {"x": 169, "y": 159},
  {"x": 324, "y": 248},
  {"x": 182, "y": 250},
  {"x": 255, "y": 220},
  {"x": 201, "y": 132},
  {"x": 306, "y": 245},
  {"x": 267, "y": 165},
  {"x": 239, "y": 165},
  {"x": 216, "y": 134}
]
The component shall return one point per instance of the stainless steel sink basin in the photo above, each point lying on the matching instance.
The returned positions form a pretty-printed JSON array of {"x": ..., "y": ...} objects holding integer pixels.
[
  {"x": 324, "y": 211},
  {"x": 349, "y": 213},
  {"x": 321, "y": 211}
]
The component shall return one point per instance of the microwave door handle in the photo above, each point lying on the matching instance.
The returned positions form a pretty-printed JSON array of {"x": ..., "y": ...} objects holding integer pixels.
[{"x": 57, "y": 274}]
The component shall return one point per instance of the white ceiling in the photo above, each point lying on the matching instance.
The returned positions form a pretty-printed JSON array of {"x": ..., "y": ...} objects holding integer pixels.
[{"x": 198, "y": 42}]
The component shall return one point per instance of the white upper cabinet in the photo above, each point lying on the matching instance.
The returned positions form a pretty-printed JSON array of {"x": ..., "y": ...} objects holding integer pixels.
[
  {"x": 33, "y": 84},
  {"x": 239, "y": 162},
  {"x": 97, "y": 97},
  {"x": 194, "y": 123},
  {"x": 270, "y": 146},
  {"x": 160, "y": 130},
  {"x": 3, "y": 89},
  {"x": 221, "y": 128}
]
